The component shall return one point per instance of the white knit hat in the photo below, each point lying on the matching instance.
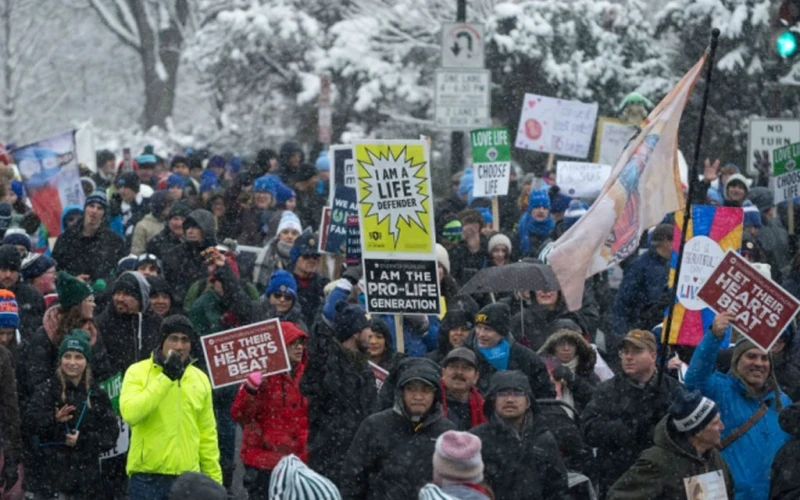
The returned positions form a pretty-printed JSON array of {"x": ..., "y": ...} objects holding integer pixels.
[
  {"x": 457, "y": 458},
  {"x": 442, "y": 257},
  {"x": 293, "y": 480},
  {"x": 289, "y": 221},
  {"x": 499, "y": 239}
]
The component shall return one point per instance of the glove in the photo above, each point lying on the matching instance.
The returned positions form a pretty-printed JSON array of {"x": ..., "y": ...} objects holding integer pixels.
[
  {"x": 564, "y": 374},
  {"x": 10, "y": 474},
  {"x": 253, "y": 382},
  {"x": 353, "y": 274},
  {"x": 173, "y": 367}
]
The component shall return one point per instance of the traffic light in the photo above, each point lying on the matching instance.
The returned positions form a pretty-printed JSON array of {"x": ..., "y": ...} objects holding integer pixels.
[
  {"x": 787, "y": 39},
  {"x": 787, "y": 44}
]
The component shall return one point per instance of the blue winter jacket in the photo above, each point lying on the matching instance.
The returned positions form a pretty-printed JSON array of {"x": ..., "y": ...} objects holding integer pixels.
[
  {"x": 749, "y": 457},
  {"x": 642, "y": 285}
]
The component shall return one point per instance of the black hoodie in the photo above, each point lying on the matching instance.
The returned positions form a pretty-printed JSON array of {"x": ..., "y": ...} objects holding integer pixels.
[
  {"x": 184, "y": 265},
  {"x": 525, "y": 463}
]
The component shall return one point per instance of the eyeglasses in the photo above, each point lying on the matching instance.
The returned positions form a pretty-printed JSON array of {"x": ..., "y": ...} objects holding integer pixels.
[
  {"x": 510, "y": 393},
  {"x": 282, "y": 296}
]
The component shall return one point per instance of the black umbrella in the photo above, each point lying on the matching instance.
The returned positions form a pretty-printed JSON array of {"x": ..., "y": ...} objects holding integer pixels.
[{"x": 516, "y": 277}]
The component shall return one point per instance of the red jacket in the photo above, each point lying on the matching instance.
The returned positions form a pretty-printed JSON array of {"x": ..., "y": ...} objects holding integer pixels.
[
  {"x": 476, "y": 415},
  {"x": 275, "y": 420}
]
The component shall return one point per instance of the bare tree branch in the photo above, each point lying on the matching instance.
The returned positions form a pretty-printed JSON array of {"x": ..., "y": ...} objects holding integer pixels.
[{"x": 126, "y": 36}]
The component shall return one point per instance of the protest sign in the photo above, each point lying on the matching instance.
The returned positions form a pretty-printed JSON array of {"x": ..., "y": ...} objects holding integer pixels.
[
  {"x": 113, "y": 387},
  {"x": 611, "y": 138},
  {"x": 766, "y": 135},
  {"x": 352, "y": 254},
  {"x": 325, "y": 221},
  {"x": 785, "y": 178},
  {"x": 234, "y": 354},
  {"x": 557, "y": 126},
  {"x": 763, "y": 309},
  {"x": 343, "y": 172},
  {"x": 491, "y": 161},
  {"x": 380, "y": 374},
  {"x": 49, "y": 169},
  {"x": 581, "y": 180},
  {"x": 401, "y": 286},
  {"x": 712, "y": 231},
  {"x": 344, "y": 205},
  {"x": 710, "y": 485}
]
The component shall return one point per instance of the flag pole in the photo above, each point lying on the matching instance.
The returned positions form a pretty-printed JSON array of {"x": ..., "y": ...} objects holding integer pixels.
[{"x": 687, "y": 213}]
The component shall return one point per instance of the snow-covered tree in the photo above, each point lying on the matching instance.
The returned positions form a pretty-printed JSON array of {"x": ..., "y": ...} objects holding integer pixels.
[{"x": 746, "y": 74}]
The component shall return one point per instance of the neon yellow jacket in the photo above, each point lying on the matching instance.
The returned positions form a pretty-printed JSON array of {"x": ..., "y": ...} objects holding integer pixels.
[{"x": 172, "y": 423}]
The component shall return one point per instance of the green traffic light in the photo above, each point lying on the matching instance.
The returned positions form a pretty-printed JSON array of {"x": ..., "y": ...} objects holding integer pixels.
[{"x": 787, "y": 44}]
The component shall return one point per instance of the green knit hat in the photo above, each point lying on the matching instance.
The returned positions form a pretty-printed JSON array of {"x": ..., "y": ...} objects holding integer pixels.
[
  {"x": 79, "y": 341},
  {"x": 71, "y": 291}
]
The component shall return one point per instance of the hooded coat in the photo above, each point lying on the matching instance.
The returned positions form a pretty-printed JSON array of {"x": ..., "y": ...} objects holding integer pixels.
[
  {"x": 129, "y": 338},
  {"x": 750, "y": 456},
  {"x": 453, "y": 319},
  {"x": 585, "y": 378},
  {"x": 620, "y": 420},
  {"x": 390, "y": 458},
  {"x": 184, "y": 265},
  {"x": 73, "y": 471},
  {"x": 520, "y": 464},
  {"x": 275, "y": 419},
  {"x": 162, "y": 243},
  {"x": 660, "y": 470},
  {"x": 95, "y": 255},
  {"x": 785, "y": 482},
  {"x": 341, "y": 391}
]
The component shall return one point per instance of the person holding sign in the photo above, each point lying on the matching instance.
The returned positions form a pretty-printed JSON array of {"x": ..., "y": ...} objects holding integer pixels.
[
  {"x": 166, "y": 400},
  {"x": 749, "y": 403},
  {"x": 72, "y": 422},
  {"x": 685, "y": 446},
  {"x": 274, "y": 416}
]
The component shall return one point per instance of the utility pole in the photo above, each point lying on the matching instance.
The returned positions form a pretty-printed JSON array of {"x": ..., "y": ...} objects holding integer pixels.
[{"x": 457, "y": 138}]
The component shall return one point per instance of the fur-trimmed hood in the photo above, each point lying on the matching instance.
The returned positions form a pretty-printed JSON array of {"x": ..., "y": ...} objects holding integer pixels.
[{"x": 587, "y": 357}]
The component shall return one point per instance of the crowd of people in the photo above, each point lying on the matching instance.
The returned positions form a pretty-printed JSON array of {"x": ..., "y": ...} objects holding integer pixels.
[{"x": 105, "y": 391}]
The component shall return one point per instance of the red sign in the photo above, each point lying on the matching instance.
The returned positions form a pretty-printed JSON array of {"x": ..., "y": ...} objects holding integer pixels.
[
  {"x": 380, "y": 374},
  {"x": 234, "y": 354},
  {"x": 325, "y": 221},
  {"x": 763, "y": 309}
]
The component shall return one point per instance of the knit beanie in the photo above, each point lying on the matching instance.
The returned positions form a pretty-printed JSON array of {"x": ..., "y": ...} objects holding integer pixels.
[
  {"x": 457, "y": 459},
  {"x": 495, "y": 316},
  {"x": 442, "y": 257},
  {"x": 289, "y": 221},
  {"x": 128, "y": 283},
  {"x": 576, "y": 210},
  {"x": 305, "y": 245},
  {"x": 17, "y": 236},
  {"x": 10, "y": 258},
  {"x": 499, "y": 239},
  {"x": 690, "y": 413},
  {"x": 486, "y": 213},
  {"x": 560, "y": 203},
  {"x": 291, "y": 479},
  {"x": 177, "y": 323},
  {"x": 283, "y": 193},
  {"x": 180, "y": 209},
  {"x": 71, "y": 291},
  {"x": 216, "y": 161},
  {"x": 129, "y": 180},
  {"x": 176, "y": 181},
  {"x": 98, "y": 197},
  {"x": 465, "y": 183},
  {"x": 281, "y": 282},
  {"x": 265, "y": 184},
  {"x": 736, "y": 178},
  {"x": 742, "y": 346},
  {"x": 35, "y": 265},
  {"x": 538, "y": 198},
  {"x": 9, "y": 310},
  {"x": 752, "y": 217},
  {"x": 348, "y": 320},
  {"x": 208, "y": 181},
  {"x": 127, "y": 263},
  {"x": 452, "y": 230},
  {"x": 76, "y": 340},
  {"x": 761, "y": 197}
]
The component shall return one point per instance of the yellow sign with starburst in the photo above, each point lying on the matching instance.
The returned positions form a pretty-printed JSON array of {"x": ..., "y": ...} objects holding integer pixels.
[{"x": 394, "y": 197}]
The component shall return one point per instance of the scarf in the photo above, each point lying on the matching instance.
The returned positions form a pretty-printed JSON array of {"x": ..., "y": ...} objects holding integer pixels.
[
  {"x": 284, "y": 249},
  {"x": 497, "y": 356},
  {"x": 529, "y": 226},
  {"x": 572, "y": 365}
]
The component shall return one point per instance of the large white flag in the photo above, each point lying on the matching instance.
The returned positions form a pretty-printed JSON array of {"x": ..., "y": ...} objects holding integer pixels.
[{"x": 643, "y": 187}]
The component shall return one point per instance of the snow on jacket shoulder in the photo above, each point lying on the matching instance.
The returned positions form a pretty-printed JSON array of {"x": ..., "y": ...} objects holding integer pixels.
[
  {"x": 750, "y": 456},
  {"x": 173, "y": 429}
]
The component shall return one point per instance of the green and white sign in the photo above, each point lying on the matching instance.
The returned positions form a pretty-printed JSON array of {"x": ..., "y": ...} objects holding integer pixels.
[
  {"x": 491, "y": 161},
  {"x": 113, "y": 387},
  {"x": 785, "y": 180}
]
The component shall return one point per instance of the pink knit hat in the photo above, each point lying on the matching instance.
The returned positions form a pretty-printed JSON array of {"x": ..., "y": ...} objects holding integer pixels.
[{"x": 457, "y": 459}]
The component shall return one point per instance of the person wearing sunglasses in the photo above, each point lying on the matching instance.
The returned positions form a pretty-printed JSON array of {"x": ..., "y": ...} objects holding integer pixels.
[{"x": 280, "y": 300}]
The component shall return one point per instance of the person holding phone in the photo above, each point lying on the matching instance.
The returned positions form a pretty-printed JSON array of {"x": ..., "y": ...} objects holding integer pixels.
[{"x": 167, "y": 402}]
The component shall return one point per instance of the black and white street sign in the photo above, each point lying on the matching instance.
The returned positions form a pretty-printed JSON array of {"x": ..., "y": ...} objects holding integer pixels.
[{"x": 462, "y": 46}]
